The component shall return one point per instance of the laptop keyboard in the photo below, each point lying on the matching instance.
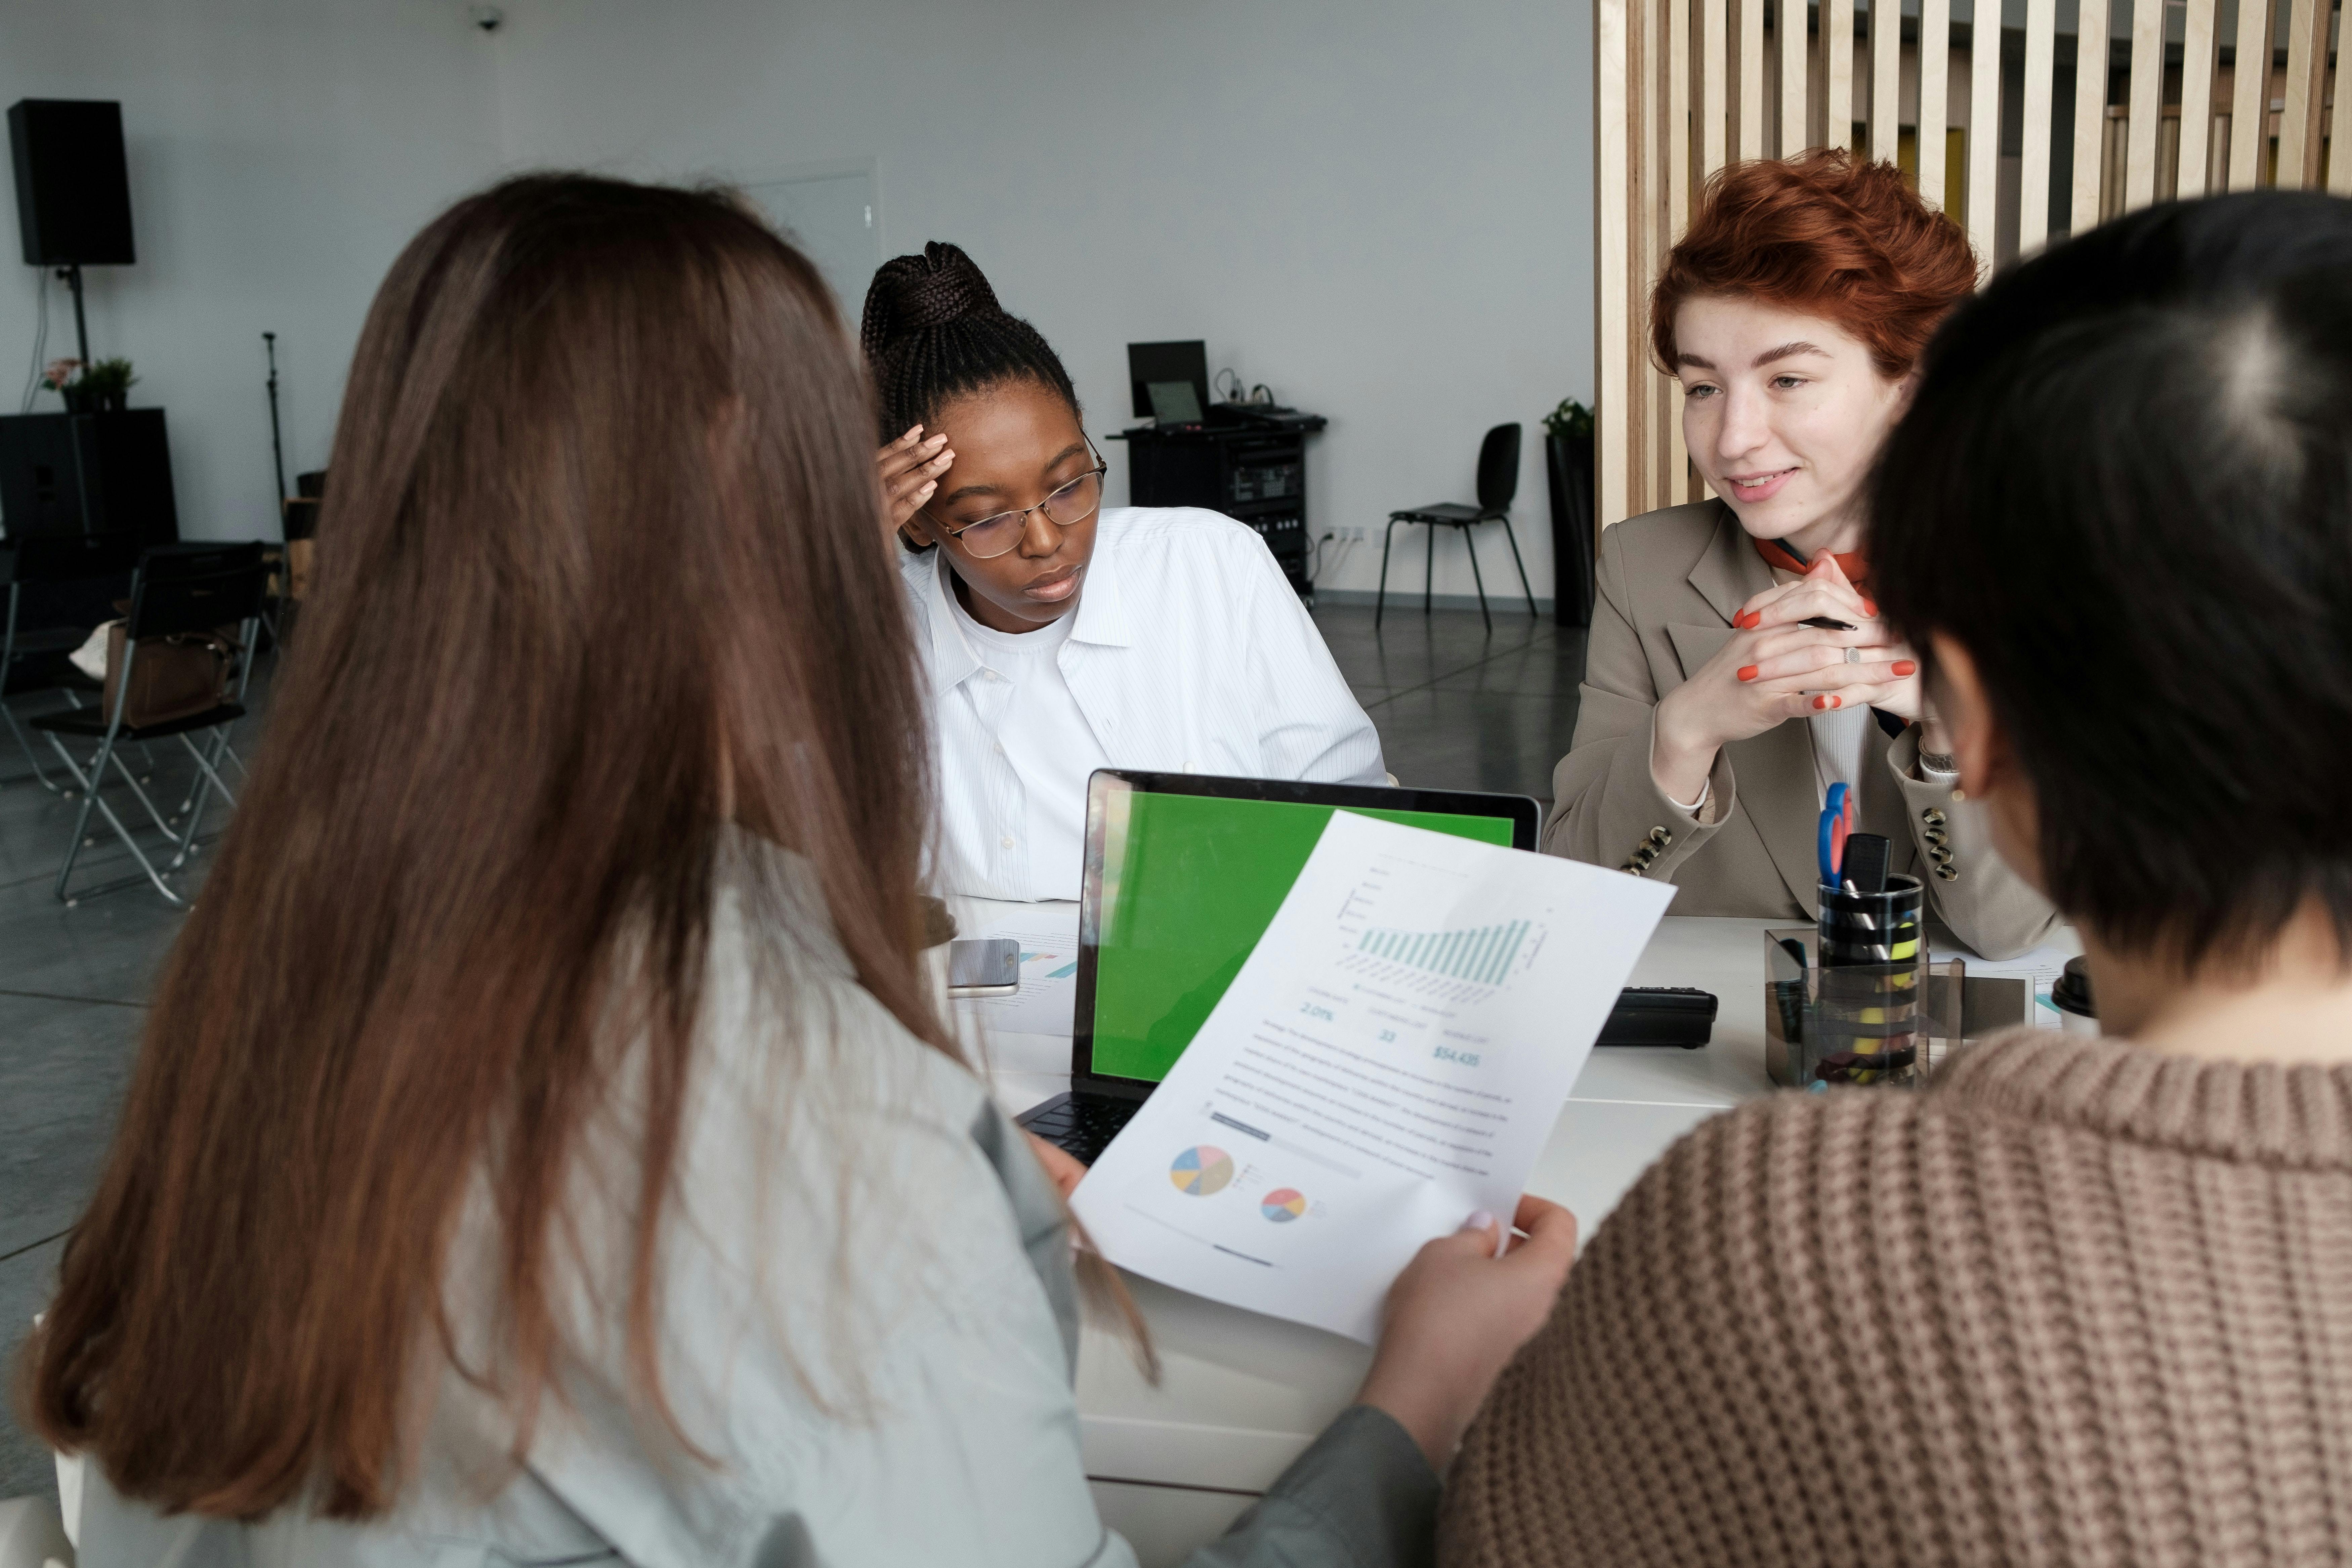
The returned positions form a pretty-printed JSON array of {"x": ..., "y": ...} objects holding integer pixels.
[{"x": 1082, "y": 1125}]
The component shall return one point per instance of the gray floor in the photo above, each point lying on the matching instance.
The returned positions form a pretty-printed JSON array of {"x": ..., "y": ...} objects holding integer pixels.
[{"x": 1456, "y": 706}]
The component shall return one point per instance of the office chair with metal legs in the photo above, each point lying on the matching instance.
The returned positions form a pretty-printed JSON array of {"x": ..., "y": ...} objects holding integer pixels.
[
  {"x": 179, "y": 590},
  {"x": 1498, "y": 485}
]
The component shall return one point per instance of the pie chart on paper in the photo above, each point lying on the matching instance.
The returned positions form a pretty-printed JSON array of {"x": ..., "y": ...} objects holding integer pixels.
[
  {"x": 1283, "y": 1204},
  {"x": 1202, "y": 1169}
]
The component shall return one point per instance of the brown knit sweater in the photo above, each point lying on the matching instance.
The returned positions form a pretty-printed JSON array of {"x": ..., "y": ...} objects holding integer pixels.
[{"x": 2079, "y": 1303}]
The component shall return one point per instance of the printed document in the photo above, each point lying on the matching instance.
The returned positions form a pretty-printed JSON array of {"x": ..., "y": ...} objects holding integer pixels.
[{"x": 1389, "y": 1059}]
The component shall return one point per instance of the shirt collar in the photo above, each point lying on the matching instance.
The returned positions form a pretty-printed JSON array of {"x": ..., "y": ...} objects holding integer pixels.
[
  {"x": 1101, "y": 617},
  {"x": 953, "y": 659},
  {"x": 1102, "y": 607}
]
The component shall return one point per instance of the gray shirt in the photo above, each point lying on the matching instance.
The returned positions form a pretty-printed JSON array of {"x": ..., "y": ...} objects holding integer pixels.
[{"x": 866, "y": 1331}]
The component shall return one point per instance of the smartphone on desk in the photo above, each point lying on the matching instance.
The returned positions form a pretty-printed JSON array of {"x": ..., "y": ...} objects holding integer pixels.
[{"x": 984, "y": 966}]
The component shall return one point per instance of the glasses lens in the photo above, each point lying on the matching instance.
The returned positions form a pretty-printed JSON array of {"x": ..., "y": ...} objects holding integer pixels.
[
  {"x": 991, "y": 536},
  {"x": 1076, "y": 502}
]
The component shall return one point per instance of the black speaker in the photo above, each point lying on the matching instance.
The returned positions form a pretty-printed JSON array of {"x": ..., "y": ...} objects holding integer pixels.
[
  {"x": 73, "y": 189},
  {"x": 87, "y": 473}
]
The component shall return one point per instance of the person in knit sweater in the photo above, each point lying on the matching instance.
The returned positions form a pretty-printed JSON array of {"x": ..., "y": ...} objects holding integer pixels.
[{"x": 2084, "y": 1299}]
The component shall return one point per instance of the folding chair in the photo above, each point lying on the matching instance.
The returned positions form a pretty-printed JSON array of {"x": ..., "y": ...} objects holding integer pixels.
[
  {"x": 55, "y": 559},
  {"x": 179, "y": 589}
]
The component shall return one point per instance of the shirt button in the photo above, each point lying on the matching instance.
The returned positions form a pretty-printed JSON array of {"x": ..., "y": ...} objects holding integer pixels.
[
  {"x": 1000, "y": 748},
  {"x": 1006, "y": 841}
]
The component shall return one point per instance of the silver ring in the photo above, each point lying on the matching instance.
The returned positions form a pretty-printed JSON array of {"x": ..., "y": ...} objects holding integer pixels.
[{"x": 1854, "y": 656}]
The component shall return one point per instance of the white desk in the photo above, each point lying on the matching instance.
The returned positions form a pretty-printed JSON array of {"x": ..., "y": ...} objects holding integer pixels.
[{"x": 1241, "y": 1394}]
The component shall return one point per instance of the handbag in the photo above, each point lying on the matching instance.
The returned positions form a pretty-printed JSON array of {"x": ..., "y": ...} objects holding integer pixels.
[{"x": 175, "y": 677}]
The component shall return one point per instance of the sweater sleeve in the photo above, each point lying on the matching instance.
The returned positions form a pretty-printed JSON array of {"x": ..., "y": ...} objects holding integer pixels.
[{"x": 1665, "y": 1414}]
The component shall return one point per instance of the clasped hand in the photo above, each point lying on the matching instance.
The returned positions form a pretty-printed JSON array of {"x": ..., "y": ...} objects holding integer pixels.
[{"x": 1775, "y": 669}]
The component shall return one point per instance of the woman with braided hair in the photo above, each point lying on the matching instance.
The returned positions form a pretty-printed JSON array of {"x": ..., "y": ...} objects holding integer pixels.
[
  {"x": 1736, "y": 666},
  {"x": 1059, "y": 635}
]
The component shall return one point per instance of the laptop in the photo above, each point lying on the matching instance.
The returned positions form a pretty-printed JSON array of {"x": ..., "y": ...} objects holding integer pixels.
[{"x": 1183, "y": 874}]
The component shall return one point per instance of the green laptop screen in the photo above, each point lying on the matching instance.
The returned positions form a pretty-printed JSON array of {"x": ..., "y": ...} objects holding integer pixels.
[{"x": 1189, "y": 884}]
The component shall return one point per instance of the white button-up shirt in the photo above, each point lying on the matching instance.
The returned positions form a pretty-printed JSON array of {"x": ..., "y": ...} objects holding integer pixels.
[{"x": 1187, "y": 653}]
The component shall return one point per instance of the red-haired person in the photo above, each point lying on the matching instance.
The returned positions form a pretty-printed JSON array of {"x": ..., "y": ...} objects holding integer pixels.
[{"x": 1714, "y": 717}]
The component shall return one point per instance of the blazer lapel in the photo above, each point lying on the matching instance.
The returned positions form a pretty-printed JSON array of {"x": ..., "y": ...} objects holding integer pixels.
[
  {"x": 1693, "y": 645},
  {"x": 1779, "y": 763},
  {"x": 1730, "y": 573}
]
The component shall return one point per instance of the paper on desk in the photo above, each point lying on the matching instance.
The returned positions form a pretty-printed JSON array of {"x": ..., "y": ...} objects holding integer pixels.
[
  {"x": 1048, "y": 935},
  {"x": 1391, "y": 1059},
  {"x": 2038, "y": 967}
]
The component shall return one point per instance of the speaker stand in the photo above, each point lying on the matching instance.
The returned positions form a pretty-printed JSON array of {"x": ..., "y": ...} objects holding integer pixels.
[{"x": 71, "y": 273}]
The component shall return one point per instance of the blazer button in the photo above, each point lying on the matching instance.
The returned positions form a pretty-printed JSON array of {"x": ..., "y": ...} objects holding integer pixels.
[
  {"x": 1936, "y": 836},
  {"x": 1661, "y": 837},
  {"x": 1932, "y": 816},
  {"x": 1947, "y": 873}
]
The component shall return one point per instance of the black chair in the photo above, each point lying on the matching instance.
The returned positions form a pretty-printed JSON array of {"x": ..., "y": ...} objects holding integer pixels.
[
  {"x": 178, "y": 590},
  {"x": 1498, "y": 483},
  {"x": 54, "y": 560}
]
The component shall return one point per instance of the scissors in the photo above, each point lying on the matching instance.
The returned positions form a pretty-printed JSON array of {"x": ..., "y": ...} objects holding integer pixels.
[{"x": 1837, "y": 821}]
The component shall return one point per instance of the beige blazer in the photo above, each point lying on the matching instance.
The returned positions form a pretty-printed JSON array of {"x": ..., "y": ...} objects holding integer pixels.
[{"x": 1670, "y": 582}]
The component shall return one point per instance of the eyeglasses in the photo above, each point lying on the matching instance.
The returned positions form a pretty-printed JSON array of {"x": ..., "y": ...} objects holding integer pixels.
[{"x": 1067, "y": 507}]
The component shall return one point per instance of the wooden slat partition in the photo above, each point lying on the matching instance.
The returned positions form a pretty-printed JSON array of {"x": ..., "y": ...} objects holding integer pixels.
[
  {"x": 2197, "y": 67},
  {"x": 1750, "y": 77},
  {"x": 2034, "y": 175},
  {"x": 1886, "y": 79},
  {"x": 1935, "y": 82},
  {"x": 2306, "y": 72},
  {"x": 1984, "y": 129},
  {"x": 1711, "y": 75},
  {"x": 2090, "y": 111},
  {"x": 2146, "y": 102},
  {"x": 1683, "y": 86},
  {"x": 2339, "y": 129},
  {"x": 2249, "y": 97},
  {"x": 1837, "y": 72},
  {"x": 1789, "y": 32}
]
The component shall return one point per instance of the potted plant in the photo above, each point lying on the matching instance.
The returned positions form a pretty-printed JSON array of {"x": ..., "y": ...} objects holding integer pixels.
[
  {"x": 108, "y": 384},
  {"x": 1568, "y": 464},
  {"x": 100, "y": 388},
  {"x": 60, "y": 376}
]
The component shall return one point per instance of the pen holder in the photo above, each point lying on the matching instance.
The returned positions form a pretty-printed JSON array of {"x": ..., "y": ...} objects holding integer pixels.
[{"x": 1849, "y": 1001}]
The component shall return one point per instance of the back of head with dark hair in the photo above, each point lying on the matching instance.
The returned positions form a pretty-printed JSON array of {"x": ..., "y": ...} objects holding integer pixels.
[
  {"x": 932, "y": 331},
  {"x": 2125, "y": 487}
]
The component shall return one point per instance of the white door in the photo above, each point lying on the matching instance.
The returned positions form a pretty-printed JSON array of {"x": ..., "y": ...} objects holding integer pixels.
[{"x": 831, "y": 219}]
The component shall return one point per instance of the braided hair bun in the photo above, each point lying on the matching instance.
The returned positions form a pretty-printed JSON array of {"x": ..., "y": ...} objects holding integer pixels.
[
  {"x": 912, "y": 292},
  {"x": 932, "y": 331}
]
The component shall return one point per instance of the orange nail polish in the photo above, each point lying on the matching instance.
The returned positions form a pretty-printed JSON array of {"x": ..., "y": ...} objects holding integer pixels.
[
  {"x": 1747, "y": 672},
  {"x": 1821, "y": 701},
  {"x": 1747, "y": 618},
  {"x": 1904, "y": 667},
  {"x": 1837, "y": 701},
  {"x": 1870, "y": 607}
]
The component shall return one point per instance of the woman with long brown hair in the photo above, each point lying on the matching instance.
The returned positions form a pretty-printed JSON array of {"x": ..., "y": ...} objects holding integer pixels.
[{"x": 544, "y": 1147}]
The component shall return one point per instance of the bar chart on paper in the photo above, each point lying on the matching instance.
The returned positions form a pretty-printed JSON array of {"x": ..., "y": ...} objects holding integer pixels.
[
  {"x": 1483, "y": 957},
  {"x": 1462, "y": 964}
]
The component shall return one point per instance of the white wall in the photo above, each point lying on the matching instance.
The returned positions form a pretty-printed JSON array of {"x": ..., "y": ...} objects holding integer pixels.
[
  {"x": 280, "y": 152},
  {"x": 1381, "y": 209}
]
